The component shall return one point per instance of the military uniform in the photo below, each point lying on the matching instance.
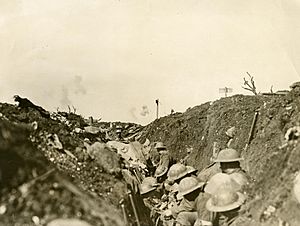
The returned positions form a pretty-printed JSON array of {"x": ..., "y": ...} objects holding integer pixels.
[
  {"x": 186, "y": 213},
  {"x": 224, "y": 206}
]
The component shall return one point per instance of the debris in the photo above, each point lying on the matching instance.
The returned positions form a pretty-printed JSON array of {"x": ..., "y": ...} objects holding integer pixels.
[
  {"x": 294, "y": 85},
  {"x": 24, "y": 188},
  {"x": 87, "y": 140},
  {"x": 53, "y": 141},
  {"x": 292, "y": 133},
  {"x": 277, "y": 93},
  {"x": 231, "y": 132},
  {"x": 34, "y": 125},
  {"x": 91, "y": 129},
  {"x": 3, "y": 209},
  {"x": 289, "y": 108},
  {"x": 36, "y": 220},
  {"x": 78, "y": 130},
  {"x": 282, "y": 92},
  {"x": 282, "y": 223},
  {"x": 133, "y": 152},
  {"x": 105, "y": 157},
  {"x": 147, "y": 143},
  {"x": 207, "y": 122},
  {"x": 268, "y": 212},
  {"x": 70, "y": 154}
]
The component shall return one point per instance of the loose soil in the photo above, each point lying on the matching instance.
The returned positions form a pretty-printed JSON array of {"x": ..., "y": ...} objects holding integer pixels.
[{"x": 81, "y": 188}]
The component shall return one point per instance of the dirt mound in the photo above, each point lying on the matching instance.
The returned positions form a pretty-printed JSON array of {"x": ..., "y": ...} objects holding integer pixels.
[
  {"x": 271, "y": 161},
  {"x": 198, "y": 128},
  {"x": 43, "y": 176},
  {"x": 31, "y": 146}
]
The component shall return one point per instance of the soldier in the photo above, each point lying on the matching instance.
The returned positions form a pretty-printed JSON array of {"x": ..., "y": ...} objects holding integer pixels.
[
  {"x": 229, "y": 160},
  {"x": 213, "y": 186},
  {"x": 221, "y": 179},
  {"x": 158, "y": 156},
  {"x": 165, "y": 158},
  {"x": 148, "y": 191},
  {"x": 177, "y": 172},
  {"x": 151, "y": 196},
  {"x": 189, "y": 190},
  {"x": 161, "y": 173},
  {"x": 225, "y": 206}
]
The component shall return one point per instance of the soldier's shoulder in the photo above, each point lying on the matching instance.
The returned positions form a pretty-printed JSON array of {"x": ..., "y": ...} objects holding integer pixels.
[{"x": 241, "y": 177}]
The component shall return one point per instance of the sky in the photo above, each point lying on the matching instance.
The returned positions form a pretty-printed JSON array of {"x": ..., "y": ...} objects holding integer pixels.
[{"x": 113, "y": 59}]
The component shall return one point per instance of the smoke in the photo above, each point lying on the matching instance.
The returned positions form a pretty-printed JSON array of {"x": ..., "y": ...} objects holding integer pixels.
[
  {"x": 79, "y": 88},
  {"x": 73, "y": 87},
  {"x": 132, "y": 112},
  {"x": 65, "y": 100},
  {"x": 145, "y": 111}
]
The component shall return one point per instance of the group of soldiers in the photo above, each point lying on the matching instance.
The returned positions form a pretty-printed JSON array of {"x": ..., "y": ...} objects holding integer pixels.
[{"x": 176, "y": 194}]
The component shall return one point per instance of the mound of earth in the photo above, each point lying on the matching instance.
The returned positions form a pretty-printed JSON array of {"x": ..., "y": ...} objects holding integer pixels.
[
  {"x": 271, "y": 160},
  {"x": 47, "y": 171}
]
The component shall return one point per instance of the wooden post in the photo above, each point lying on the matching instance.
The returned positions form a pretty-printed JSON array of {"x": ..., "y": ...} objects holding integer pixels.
[
  {"x": 134, "y": 209},
  {"x": 225, "y": 90},
  {"x": 157, "y": 107}
]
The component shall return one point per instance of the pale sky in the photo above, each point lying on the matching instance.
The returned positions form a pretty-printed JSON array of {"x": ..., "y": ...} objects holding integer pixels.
[{"x": 111, "y": 58}]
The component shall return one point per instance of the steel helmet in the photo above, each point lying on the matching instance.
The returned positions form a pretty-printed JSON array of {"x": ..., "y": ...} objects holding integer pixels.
[
  {"x": 177, "y": 171},
  {"x": 224, "y": 200},
  {"x": 160, "y": 171},
  {"x": 67, "y": 222},
  {"x": 188, "y": 185},
  {"x": 221, "y": 179},
  {"x": 148, "y": 184},
  {"x": 160, "y": 145},
  {"x": 228, "y": 155},
  {"x": 190, "y": 169},
  {"x": 240, "y": 178}
]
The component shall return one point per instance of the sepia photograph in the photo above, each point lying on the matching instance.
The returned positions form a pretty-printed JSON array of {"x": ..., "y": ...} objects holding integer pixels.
[{"x": 149, "y": 113}]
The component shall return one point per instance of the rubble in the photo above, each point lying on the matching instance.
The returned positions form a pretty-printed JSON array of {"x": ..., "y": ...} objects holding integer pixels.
[
  {"x": 92, "y": 129},
  {"x": 54, "y": 141},
  {"x": 295, "y": 85},
  {"x": 292, "y": 133},
  {"x": 100, "y": 159},
  {"x": 31, "y": 152},
  {"x": 105, "y": 157},
  {"x": 231, "y": 132}
]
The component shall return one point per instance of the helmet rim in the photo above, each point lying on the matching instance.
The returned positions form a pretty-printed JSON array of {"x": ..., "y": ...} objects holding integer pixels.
[
  {"x": 181, "y": 194},
  {"x": 214, "y": 208}
]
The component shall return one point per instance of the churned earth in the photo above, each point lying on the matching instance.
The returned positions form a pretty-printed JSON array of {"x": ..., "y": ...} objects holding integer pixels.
[
  {"x": 43, "y": 178},
  {"x": 272, "y": 158},
  {"x": 46, "y": 172}
]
